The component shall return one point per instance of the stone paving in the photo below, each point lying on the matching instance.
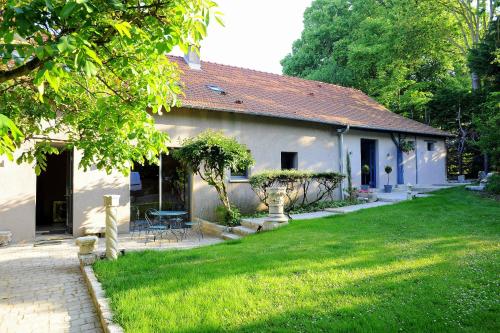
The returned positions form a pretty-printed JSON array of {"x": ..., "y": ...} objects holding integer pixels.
[{"x": 42, "y": 290}]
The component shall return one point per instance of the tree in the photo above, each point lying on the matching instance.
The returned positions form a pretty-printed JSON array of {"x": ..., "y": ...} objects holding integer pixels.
[
  {"x": 392, "y": 50},
  {"x": 210, "y": 155},
  {"x": 93, "y": 73},
  {"x": 484, "y": 59},
  {"x": 411, "y": 56}
]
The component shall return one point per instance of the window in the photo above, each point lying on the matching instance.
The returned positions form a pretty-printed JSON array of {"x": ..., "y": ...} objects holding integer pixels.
[
  {"x": 240, "y": 174},
  {"x": 431, "y": 146},
  {"x": 216, "y": 89},
  {"x": 289, "y": 160}
]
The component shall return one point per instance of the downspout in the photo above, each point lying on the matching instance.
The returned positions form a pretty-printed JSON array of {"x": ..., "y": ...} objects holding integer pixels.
[
  {"x": 341, "y": 132},
  {"x": 416, "y": 161},
  {"x": 399, "y": 158},
  {"x": 160, "y": 189}
]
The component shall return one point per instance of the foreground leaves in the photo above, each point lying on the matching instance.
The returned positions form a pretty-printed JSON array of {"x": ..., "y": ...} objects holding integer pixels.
[{"x": 94, "y": 72}]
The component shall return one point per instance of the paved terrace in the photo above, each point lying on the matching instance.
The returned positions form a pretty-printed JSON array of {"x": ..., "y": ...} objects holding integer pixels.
[{"x": 42, "y": 288}]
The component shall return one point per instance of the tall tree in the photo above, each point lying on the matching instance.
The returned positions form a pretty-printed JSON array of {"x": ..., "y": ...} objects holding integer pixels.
[
  {"x": 411, "y": 56},
  {"x": 92, "y": 73}
]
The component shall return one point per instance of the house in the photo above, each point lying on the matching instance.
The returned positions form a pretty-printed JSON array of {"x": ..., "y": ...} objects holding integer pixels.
[{"x": 286, "y": 122}]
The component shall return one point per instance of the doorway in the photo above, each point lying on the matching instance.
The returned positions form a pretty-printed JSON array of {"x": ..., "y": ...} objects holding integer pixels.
[
  {"x": 54, "y": 195},
  {"x": 369, "y": 158},
  {"x": 170, "y": 191}
]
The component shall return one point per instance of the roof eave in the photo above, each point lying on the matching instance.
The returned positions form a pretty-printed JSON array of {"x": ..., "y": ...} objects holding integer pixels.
[{"x": 317, "y": 121}]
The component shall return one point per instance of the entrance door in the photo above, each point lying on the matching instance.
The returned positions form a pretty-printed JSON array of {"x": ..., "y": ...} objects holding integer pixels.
[
  {"x": 54, "y": 195},
  {"x": 369, "y": 158}
]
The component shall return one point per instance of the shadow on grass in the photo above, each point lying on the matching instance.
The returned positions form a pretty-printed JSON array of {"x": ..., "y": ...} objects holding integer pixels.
[{"x": 420, "y": 265}]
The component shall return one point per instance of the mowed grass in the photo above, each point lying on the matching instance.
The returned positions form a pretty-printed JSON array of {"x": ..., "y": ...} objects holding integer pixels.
[{"x": 428, "y": 265}]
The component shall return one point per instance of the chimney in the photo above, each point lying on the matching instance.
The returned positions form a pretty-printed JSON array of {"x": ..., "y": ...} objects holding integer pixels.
[{"x": 192, "y": 58}]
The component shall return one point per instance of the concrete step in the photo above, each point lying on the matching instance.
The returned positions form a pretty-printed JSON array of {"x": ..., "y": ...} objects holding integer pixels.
[
  {"x": 354, "y": 208},
  {"x": 230, "y": 236},
  {"x": 243, "y": 231},
  {"x": 252, "y": 223}
]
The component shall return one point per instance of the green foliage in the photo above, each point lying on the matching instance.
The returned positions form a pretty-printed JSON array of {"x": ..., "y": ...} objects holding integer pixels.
[
  {"x": 406, "y": 145},
  {"x": 411, "y": 56},
  {"x": 485, "y": 60},
  {"x": 493, "y": 185},
  {"x": 298, "y": 184},
  {"x": 351, "y": 192},
  {"x": 10, "y": 137},
  {"x": 229, "y": 217},
  {"x": 426, "y": 265},
  {"x": 388, "y": 170},
  {"x": 210, "y": 155},
  {"x": 95, "y": 72},
  {"x": 365, "y": 169}
]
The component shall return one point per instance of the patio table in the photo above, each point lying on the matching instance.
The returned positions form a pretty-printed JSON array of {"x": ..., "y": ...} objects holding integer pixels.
[{"x": 169, "y": 216}]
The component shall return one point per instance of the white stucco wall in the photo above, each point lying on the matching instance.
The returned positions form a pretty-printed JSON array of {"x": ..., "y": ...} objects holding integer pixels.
[
  {"x": 315, "y": 144},
  {"x": 89, "y": 187},
  {"x": 431, "y": 164},
  {"x": 17, "y": 199}
]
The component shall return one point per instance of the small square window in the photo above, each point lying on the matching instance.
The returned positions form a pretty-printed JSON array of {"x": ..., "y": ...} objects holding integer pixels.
[
  {"x": 289, "y": 161},
  {"x": 431, "y": 145},
  {"x": 239, "y": 174}
]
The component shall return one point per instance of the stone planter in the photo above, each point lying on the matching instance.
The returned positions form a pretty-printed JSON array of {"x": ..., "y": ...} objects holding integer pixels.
[
  {"x": 276, "y": 202},
  {"x": 5, "y": 238},
  {"x": 87, "y": 246},
  {"x": 387, "y": 188}
]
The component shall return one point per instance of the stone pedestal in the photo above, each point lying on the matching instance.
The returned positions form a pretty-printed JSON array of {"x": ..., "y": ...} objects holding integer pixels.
[
  {"x": 409, "y": 192},
  {"x": 87, "y": 246},
  {"x": 5, "y": 238},
  {"x": 276, "y": 201},
  {"x": 111, "y": 202}
]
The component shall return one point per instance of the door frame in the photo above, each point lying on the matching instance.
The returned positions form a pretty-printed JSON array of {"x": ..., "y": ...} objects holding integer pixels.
[
  {"x": 373, "y": 160},
  {"x": 69, "y": 191}
]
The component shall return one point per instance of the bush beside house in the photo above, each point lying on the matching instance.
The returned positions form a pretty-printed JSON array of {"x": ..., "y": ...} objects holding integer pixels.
[
  {"x": 299, "y": 186},
  {"x": 209, "y": 155}
]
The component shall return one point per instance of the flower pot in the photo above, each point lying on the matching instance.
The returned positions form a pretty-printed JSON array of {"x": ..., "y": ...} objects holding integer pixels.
[{"x": 387, "y": 188}]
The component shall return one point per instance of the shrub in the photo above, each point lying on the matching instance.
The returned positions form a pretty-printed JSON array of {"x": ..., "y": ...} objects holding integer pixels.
[
  {"x": 493, "y": 185},
  {"x": 294, "y": 181},
  {"x": 228, "y": 217},
  {"x": 210, "y": 155},
  {"x": 388, "y": 170}
]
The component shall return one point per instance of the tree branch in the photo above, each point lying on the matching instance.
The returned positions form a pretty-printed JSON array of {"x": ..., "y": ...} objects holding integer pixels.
[{"x": 22, "y": 70}]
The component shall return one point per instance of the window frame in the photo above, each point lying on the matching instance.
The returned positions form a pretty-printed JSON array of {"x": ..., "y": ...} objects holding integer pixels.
[
  {"x": 295, "y": 160},
  {"x": 432, "y": 145}
]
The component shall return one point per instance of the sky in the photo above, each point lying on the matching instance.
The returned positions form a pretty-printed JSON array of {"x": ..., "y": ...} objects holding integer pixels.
[{"x": 257, "y": 33}]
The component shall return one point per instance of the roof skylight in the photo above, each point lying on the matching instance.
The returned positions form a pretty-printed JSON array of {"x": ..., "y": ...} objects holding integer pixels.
[{"x": 216, "y": 89}]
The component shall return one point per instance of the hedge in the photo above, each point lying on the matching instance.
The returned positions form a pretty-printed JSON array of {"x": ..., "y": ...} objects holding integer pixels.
[{"x": 296, "y": 182}]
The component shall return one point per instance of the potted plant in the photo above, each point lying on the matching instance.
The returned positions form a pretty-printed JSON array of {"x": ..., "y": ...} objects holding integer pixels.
[
  {"x": 388, "y": 188},
  {"x": 365, "y": 171}
]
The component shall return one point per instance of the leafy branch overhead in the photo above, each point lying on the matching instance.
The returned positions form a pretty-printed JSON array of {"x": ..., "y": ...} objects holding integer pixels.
[{"x": 95, "y": 72}]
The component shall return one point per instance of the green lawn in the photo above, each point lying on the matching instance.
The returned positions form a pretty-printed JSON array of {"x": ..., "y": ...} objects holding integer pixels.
[{"x": 428, "y": 265}]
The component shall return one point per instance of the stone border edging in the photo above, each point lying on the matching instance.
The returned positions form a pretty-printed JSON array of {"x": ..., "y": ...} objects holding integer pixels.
[{"x": 100, "y": 301}]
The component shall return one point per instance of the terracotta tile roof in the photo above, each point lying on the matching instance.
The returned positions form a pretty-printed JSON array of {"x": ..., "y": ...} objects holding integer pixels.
[{"x": 259, "y": 93}]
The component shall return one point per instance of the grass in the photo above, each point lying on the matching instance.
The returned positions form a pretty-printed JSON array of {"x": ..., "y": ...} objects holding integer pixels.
[{"x": 427, "y": 265}]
